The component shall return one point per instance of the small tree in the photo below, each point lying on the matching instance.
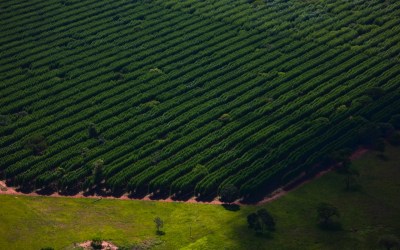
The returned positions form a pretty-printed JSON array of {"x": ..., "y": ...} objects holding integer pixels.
[
  {"x": 96, "y": 243},
  {"x": 389, "y": 242},
  {"x": 267, "y": 220},
  {"x": 159, "y": 224},
  {"x": 229, "y": 193},
  {"x": 325, "y": 212},
  {"x": 350, "y": 179},
  {"x": 350, "y": 174},
  {"x": 261, "y": 221},
  {"x": 92, "y": 131},
  {"x": 97, "y": 171}
]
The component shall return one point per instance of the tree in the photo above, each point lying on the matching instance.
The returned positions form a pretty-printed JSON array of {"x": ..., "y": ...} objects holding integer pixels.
[
  {"x": 350, "y": 178},
  {"x": 92, "y": 131},
  {"x": 159, "y": 224},
  {"x": 36, "y": 143},
  {"x": 96, "y": 243},
  {"x": 350, "y": 174},
  {"x": 325, "y": 212},
  {"x": 261, "y": 221},
  {"x": 228, "y": 193},
  {"x": 389, "y": 242},
  {"x": 267, "y": 220},
  {"x": 97, "y": 171}
]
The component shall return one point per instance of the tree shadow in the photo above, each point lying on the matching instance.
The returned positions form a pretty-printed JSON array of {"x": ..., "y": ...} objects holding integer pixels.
[
  {"x": 160, "y": 233},
  {"x": 264, "y": 235},
  {"x": 231, "y": 207}
]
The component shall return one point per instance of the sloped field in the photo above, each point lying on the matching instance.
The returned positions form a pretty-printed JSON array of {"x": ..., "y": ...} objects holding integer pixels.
[{"x": 188, "y": 96}]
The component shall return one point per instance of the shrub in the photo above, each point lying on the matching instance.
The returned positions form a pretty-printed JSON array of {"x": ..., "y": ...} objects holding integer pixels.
[
  {"x": 92, "y": 131},
  {"x": 229, "y": 193},
  {"x": 96, "y": 243},
  {"x": 225, "y": 118}
]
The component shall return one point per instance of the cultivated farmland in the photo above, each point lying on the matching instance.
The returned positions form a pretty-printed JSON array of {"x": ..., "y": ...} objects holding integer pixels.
[{"x": 184, "y": 97}]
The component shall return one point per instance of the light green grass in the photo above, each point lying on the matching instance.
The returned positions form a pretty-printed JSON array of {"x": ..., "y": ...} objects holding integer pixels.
[{"x": 35, "y": 222}]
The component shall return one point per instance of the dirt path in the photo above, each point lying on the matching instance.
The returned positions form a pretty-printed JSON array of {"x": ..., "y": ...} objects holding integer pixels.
[{"x": 4, "y": 190}]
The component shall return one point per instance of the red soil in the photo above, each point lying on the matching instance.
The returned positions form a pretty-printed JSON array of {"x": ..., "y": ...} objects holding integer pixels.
[{"x": 271, "y": 197}]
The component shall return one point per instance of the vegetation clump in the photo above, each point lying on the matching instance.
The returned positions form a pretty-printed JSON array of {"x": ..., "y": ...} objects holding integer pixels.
[
  {"x": 37, "y": 144},
  {"x": 261, "y": 221},
  {"x": 225, "y": 118},
  {"x": 159, "y": 225},
  {"x": 228, "y": 193}
]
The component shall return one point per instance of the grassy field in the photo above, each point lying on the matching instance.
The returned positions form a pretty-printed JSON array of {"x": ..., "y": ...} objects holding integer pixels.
[{"x": 35, "y": 222}]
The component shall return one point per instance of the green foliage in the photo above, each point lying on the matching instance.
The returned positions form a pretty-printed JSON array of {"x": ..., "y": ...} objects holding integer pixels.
[
  {"x": 36, "y": 143},
  {"x": 261, "y": 221},
  {"x": 225, "y": 118},
  {"x": 173, "y": 68},
  {"x": 96, "y": 243},
  {"x": 98, "y": 171},
  {"x": 159, "y": 224},
  {"x": 326, "y": 211},
  {"x": 92, "y": 131},
  {"x": 4, "y": 120},
  {"x": 228, "y": 193},
  {"x": 130, "y": 223}
]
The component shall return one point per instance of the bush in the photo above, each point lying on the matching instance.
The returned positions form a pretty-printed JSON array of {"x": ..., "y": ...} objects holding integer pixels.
[
  {"x": 261, "y": 221},
  {"x": 92, "y": 131},
  {"x": 229, "y": 193},
  {"x": 225, "y": 118},
  {"x": 362, "y": 101},
  {"x": 96, "y": 243}
]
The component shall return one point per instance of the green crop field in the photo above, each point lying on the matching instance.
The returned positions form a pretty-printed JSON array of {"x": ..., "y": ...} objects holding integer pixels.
[
  {"x": 184, "y": 97},
  {"x": 365, "y": 215}
]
